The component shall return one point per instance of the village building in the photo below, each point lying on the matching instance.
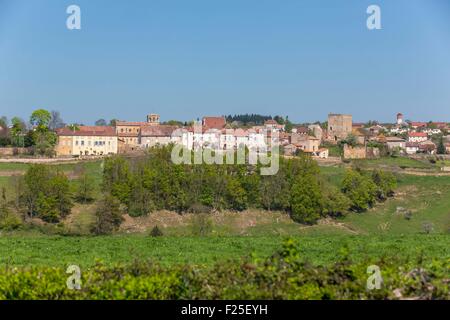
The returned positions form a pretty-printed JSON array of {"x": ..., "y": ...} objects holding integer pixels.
[
  {"x": 308, "y": 144},
  {"x": 399, "y": 130},
  {"x": 377, "y": 129},
  {"x": 361, "y": 135},
  {"x": 412, "y": 147},
  {"x": 394, "y": 143},
  {"x": 128, "y": 135},
  {"x": 430, "y": 131},
  {"x": 317, "y": 131},
  {"x": 339, "y": 126},
  {"x": 86, "y": 141},
  {"x": 301, "y": 130},
  {"x": 417, "y": 125},
  {"x": 214, "y": 122},
  {"x": 447, "y": 147},
  {"x": 273, "y": 125},
  {"x": 153, "y": 135},
  {"x": 358, "y": 125},
  {"x": 427, "y": 147},
  {"x": 417, "y": 137}
]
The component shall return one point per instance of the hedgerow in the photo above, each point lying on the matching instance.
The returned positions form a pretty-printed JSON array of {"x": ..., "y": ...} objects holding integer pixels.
[{"x": 285, "y": 275}]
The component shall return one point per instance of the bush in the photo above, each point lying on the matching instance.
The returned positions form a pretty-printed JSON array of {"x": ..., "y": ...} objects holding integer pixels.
[
  {"x": 8, "y": 220},
  {"x": 108, "y": 216},
  {"x": 427, "y": 227},
  {"x": 360, "y": 190},
  {"x": 156, "y": 232},
  {"x": 201, "y": 225}
]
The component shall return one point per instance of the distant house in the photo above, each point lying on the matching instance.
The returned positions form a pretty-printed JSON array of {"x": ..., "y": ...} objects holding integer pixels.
[
  {"x": 377, "y": 129},
  {"x": 357, "y": 125},
  {"x": 427, "y": 147},
  {"x": 289, "y": 149},
  {"x": 399, "y": 130},
  {"x": 86, "y": 141},
  {"x": 301, "y": 130},
  {"x": 323, "y": 153},
  {"x": 361, "y": 135},
  {"x": 308, "y": 144},
  {"x": 317, "y": 131},
  {"x": 417, "y": 137},
  {"x": 273, "y": 125},
  {"x": 151, "y": 136},
  {"x": 431, "y": 132},
  {"x": 416, "y": 125},
  {"x": 447, "y": 147},
  {"x": 412, "y": 147},
  {"x": 214, "y": 122},
  {"x": 395, "y": 143}
]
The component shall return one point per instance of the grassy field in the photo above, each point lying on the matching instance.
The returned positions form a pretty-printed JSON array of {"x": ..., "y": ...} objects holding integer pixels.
[
  {"x": 319, "y": 249},
  {"x": 385, "y": 230}
]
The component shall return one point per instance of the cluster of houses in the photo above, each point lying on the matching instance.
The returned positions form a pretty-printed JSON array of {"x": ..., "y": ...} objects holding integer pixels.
[
  {"x": 215, "y": 133},
  {"x": 410, "y": 137},
  {"x": 212, "y": 132}
]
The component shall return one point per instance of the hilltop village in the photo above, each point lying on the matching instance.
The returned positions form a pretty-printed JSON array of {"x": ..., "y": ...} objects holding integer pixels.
[{"x": 338, "y": 136}]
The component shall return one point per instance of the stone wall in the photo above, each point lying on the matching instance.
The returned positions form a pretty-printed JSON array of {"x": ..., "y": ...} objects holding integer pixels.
[
  {"x": 10, "y": 152},
  {"x": 358, "y": 152}
]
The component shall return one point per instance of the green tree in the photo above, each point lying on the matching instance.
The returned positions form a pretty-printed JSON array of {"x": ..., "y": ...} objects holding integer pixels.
[
  {"x": 46, "y": 194},
  {"x": 335, "y": 203},
  {"x": 108, "y": 216},
  {"x": 360, "y": 189},
  {"x": 306, "y": 199},
  {"x": 56, "y": 122},
  {"x": 441, "y": 146},
  {"x": 40, "y": 119},
  {"x": 101, "y": 122},
  {"x": 17, "y": 130},
  {"x": 236, "y": 195},
  {"x": 385, "y": 182},
  {"x": 86, "y": 187}
]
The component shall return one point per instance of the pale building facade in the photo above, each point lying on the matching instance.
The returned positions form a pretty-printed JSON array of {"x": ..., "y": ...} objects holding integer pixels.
[{"x": 87, "y": 141}]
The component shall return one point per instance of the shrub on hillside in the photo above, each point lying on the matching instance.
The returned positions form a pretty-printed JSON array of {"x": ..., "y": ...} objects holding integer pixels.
[
  {"x": 46, "y": 193},
  {"x": 156, "y": 232},
  {"x": 360, "y": 189},
  {"x": 9, "y": 220},
  {"x": 108, "y": 216},
  {"x": 201, "y": 224}
]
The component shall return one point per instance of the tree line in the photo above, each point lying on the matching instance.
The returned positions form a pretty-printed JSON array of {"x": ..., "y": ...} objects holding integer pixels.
[
  {"x": 153, "y": 182},
  {"x": 140, "y": 186}
]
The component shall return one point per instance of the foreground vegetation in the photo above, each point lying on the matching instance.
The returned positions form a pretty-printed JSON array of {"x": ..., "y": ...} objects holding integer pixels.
[
  {"x": 58, "y": 251},
  {"x": 283, "y": 275}
]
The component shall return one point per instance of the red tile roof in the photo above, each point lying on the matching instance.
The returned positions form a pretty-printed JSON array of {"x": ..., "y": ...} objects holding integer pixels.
[
  {"x": 88, "y": 131},
  {"x": 417, "y": 134},
  {"x": 271, "y": 121},
  {"x": 214, "y": 122},
  {"x": 418, "y": 124}
]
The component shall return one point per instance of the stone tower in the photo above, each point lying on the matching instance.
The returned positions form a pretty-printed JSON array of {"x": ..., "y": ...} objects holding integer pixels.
[
  {"x": 339, "y": 126},
  {"x": 153, "y": 119}
]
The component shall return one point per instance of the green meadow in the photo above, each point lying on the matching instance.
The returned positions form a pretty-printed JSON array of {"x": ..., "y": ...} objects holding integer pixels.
[{"x": 415, "y": 223}]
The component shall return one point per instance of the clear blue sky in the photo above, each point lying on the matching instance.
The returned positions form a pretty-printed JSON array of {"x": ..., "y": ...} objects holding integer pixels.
[{"x": 187, "y": 58}]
